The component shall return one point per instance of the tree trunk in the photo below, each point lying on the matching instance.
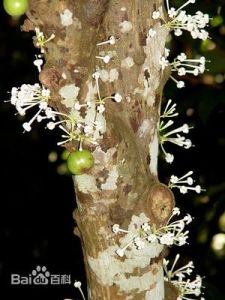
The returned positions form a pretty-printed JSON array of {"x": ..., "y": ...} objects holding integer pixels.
[{"x": 122, "y": 187}]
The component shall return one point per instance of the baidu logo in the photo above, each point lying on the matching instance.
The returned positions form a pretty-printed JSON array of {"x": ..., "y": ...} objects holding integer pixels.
[{"x": 40, "y": 276}]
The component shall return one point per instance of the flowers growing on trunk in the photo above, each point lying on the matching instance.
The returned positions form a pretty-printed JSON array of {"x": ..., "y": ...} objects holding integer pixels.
[
  {"x": 41, "y": 40},
  {"x": 174, "y": 135},
  {"x": 184, "y": 183},
  {"x": 182, "y": 65},
  {"x": 179, "y": 21},
  {"x": 30, "y": 96},
  {"x": 172, "y": 233},
  {"x": 187, "y": 288}
]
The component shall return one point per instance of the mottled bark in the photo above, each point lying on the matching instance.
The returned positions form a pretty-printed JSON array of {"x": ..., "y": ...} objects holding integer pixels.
[{"x": 123, "y": 186}]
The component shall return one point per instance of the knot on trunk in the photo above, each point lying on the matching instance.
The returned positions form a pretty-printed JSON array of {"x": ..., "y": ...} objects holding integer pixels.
[
  {"x": 171, "y": 292},
  {"x": 27, "y": 26},
  {"x": 50, "y": 77},
  {"x": 160, "y": 203}
]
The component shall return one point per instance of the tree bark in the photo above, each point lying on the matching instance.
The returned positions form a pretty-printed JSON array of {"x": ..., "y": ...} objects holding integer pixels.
[{"x": 123, "y": 186}]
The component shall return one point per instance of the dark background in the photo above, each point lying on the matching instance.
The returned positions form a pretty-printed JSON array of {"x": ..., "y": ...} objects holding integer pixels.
[{"x": 37, "y": 198}]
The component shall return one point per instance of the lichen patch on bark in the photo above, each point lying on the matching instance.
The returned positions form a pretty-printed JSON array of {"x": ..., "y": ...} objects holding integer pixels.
[
  {"x": 86, "y": 183},
  {"x": 69, "y": 93},
  {"x": 111, "y": 181}
]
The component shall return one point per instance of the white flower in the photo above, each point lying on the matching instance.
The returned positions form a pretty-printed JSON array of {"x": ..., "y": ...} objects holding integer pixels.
[
  {"x": 176, "y": 211},
  {"x": 167, "y": 52},
  {"x": 38, "y": 62},
  {"x": 182, "y": 57},
  {"x": 174, "y": 179},
  {"x": 180, "y": 84},
  {"x": 120, "y": 252},
  {"x": 110, "y": 41},
  {"x": 77, "y": 105},
  {"x": 96, "y": 75},
  {"x": 117, "y": 97},
  {"x": 167, "y": 239},
  {"x": 181, "y": 71},
  {"x": 178, "y": 32},
  {"x": 163, "y": 62},
  {"x": 105, "y": 58},
  {"x": 151, "y": 33},
  {"x": 169, "y": 157},
  {"x": 187, "y": 219},
  {"x": 101, "y": 108},
  {"x": 77, "y": 284},
  {"x": 145, "y": 227},
  {"x": 156, "y": 15},
  {"x": 41, "y": 40},
  {"x": 172, "y": 12},
  {"x": 26, "y": 126},
  {"x": 88, "y": 129},
  {"x": 116, "y": 229},
  {"x": 139, "y": 243},
  {"x": 151, "y": 238},
  {"x": 51, "y": 125}
]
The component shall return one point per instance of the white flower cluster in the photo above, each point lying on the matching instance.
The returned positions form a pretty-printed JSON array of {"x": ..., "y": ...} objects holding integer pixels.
[
  {"x": 182, "y": 66},
  {"x": 27, "y": 97},
  {"x": 185, "y": 287},
  {"x": 184, "y": 183},
  {"x": 172, "y": 136},
  {"x": 181, "y": 21},
  {"x": 170, "y": 234},
  {"x": 77, "y": 128},
  {"x": 74, "y": 128}
]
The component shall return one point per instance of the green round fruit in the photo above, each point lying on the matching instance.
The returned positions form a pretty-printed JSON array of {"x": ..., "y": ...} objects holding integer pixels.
[
  {"x": 80, "y": 161},
  {"x": 15, "y": 7}
]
